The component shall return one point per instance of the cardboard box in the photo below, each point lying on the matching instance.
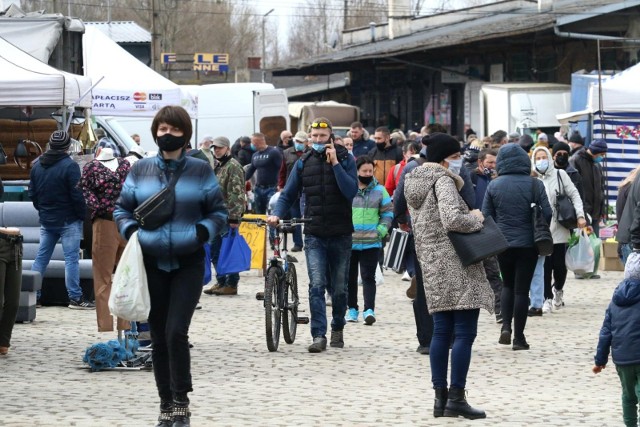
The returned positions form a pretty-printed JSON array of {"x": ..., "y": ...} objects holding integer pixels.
[
  {"x": 610, "y": 249},
  {"x": 611, "y": 264}
]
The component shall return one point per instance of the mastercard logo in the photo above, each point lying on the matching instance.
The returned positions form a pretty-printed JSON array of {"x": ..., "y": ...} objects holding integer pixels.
[{"x": 139, "y": 96}]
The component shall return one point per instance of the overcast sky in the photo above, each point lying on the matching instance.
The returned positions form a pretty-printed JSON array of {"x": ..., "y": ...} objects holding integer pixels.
[{"x": 285, "y": 9}]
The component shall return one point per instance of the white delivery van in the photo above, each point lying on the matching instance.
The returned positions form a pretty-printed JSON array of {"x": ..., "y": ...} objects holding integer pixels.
[
  {"x": 516, "y": 107},
  {"x": 226, "y": 109}
]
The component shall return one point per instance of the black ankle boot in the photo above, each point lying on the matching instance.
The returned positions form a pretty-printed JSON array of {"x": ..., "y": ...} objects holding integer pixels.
[
  {"x": 181, "y": 414},
  {"x": 440, "y": 402},
  {"x": 457, "y": 406},
  {"x": 166, "y": 414}
]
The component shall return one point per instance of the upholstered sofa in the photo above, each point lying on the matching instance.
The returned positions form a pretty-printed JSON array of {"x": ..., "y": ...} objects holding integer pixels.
[{"x": 24, "y": 216}]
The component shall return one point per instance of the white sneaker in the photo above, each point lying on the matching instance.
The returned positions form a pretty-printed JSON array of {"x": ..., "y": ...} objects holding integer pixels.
[
  {"x": 406, "y": 277},
  {"x": 547, "y": 307},
  {"x": 558, "y": 301}
]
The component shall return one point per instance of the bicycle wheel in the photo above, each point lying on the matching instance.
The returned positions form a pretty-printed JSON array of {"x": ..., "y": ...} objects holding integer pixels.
[
  {"x": 290, "y": 312},
  {"x": 272, "y": 290}
]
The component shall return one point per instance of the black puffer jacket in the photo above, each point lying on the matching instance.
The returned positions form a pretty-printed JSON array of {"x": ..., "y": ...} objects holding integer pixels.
[
  {"x": 508, "y": 198},
  {"x": 592, "y": 184}
]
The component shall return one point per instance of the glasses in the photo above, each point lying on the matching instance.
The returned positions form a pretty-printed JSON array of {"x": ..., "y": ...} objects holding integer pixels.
[{"x": 319, "y": 125}]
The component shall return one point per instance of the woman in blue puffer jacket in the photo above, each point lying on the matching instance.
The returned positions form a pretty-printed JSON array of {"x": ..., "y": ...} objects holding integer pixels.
[
  {"x": 173, "y": 253},
  {"x": 508, "y": 200}
]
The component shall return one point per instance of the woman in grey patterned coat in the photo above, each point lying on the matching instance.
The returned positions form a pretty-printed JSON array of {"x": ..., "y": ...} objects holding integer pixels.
[{"x": 454, "y": 293}]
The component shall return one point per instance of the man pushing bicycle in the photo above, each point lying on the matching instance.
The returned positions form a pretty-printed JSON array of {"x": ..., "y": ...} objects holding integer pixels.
[{"x": 326, "y": 175}]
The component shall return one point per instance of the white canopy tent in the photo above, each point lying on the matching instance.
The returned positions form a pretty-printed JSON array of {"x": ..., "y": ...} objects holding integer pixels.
[
  {"x": 26, "y": 81},
  {"x": 620, "y": 92},
  {"x": 129, "y": 87}
]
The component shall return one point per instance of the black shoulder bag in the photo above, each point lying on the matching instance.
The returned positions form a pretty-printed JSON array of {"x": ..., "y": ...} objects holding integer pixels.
[
  {"x": 565, "y": 211},
  {"x": 157, "y": 209},
  {"x": 542, "y": 237},
  {"x": 479, "y": 245}
]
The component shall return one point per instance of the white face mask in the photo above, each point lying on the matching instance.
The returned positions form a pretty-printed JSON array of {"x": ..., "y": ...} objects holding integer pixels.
[{"x": 455, "y": 165}]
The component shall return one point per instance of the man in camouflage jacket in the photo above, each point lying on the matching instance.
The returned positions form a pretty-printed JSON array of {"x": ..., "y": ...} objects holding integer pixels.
[{"x": 231, "y": 180}]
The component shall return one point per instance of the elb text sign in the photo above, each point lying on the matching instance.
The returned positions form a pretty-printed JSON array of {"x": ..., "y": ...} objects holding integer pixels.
[{"x": 211, "y": 62}]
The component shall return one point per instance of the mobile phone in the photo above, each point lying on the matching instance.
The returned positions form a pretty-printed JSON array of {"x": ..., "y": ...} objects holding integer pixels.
[{"x": 332, "y": 138}]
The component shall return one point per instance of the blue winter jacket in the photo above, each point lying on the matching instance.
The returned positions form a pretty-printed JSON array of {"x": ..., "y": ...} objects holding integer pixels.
[
  {"x": 198, "y": 201},
  {"x": 53, "y": 189},
  {"x": 620, "y": 330},
  {"x": 508, "y": 198}
]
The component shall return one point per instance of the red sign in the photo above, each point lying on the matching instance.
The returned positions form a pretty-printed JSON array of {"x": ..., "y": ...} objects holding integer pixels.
[{"x": 139, "y": 96}]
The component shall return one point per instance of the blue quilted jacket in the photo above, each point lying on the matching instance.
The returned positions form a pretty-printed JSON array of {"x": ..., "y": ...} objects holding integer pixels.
[
  {"x": 198, "y": 201},
  {"x": 508, "y": 198},
  {"x": 620, "y": 330}
]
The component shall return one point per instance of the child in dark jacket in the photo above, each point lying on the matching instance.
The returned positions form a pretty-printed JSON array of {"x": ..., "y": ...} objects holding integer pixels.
[{"x": 620, "y": 333}]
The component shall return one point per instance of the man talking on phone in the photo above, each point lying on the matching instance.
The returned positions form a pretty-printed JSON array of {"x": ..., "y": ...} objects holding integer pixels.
[{"x": 327, "y": 176}]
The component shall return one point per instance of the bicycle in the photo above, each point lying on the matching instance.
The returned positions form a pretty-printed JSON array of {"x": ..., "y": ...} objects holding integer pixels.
[{"x": 280, "y": 296}]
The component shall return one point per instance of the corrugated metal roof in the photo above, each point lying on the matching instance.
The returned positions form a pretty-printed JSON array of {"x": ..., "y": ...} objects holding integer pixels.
[
  {"x": 471, "y": 28},
  {"x": 123, "y": 31}
]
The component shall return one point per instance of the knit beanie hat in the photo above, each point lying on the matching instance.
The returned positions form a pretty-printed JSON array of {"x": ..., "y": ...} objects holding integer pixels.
[
  {"x": 440, "y": 146},
  {"x": 59, "y": 140},
  {"x": 576, "y": 138},
  {"x": 561, "y": 146},
  {"x": 632, "y": 267},
  {"x": 598, "y": 146}
]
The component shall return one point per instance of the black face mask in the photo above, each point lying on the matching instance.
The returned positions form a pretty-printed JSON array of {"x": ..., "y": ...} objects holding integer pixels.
[
  {"x": 562, "y": 161},
  {"x": 366, "y": 180},
  {"x": 224, "y": 157},
  {"x": 168, "y": 142},
  {"x": 381, "y": 145}
]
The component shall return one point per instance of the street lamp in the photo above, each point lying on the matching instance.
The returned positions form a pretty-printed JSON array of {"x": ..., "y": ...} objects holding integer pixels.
[{"x": 263, "y": 43}]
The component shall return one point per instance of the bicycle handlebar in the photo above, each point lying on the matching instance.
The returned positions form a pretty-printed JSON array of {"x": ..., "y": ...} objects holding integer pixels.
[{"x": 283, "y": 222}]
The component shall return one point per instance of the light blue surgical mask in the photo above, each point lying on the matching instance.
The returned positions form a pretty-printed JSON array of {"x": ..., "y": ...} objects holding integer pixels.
[
  {"x": 299, "y": 147},
  {"x": 319, "y": 147},
  {"x": 599, "y": 159},
  {"x": 542, "y": 165},
  {"x": 253, "y": 147},
  {"x": 455, "y": 165}
]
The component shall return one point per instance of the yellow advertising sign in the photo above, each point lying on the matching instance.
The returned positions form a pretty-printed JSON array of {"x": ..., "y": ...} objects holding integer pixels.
[{"x": 256, "y": 238}]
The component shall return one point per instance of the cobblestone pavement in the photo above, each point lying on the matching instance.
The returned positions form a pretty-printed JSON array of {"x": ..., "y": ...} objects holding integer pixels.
[{"x": 376, "y": 380}]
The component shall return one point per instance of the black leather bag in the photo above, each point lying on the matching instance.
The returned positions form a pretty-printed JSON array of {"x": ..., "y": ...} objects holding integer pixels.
[
  {"x": 565, "y": 212},
  {"x": 157, "y": 209},
  {"x": 542, "y": 237},
  {"x": 475, "y": 247}
]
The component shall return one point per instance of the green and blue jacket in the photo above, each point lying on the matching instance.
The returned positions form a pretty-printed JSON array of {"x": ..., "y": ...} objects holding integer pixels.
[{"x": 372, "y": 213}]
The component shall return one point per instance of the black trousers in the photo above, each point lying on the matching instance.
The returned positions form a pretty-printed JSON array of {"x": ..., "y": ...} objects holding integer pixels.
[
  {"x": 517, "y": 266},
  {"x": 424, "y": 321},
  {"x": 10, "y": 284},
  {"x": 492, "y": 271},
  {"x": 367, "y": 260},
  {"x": 554, "y": 265},
  {"x": 174, "y": 296}
]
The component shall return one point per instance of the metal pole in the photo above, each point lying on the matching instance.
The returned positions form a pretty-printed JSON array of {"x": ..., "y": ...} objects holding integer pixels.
[
  {"x": 264, "y": 62},
  {"x": 153, "y": 35}
]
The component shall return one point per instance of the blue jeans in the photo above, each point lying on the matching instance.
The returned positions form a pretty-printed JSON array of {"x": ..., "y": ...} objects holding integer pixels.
[
  {"x": 625, "y": 250},
  {"x": 70, "y": 234},
  {"x": 536, "y": 291},
  {"x": 328, "y": 266},
  {"x": 230, "y": 280},
  {"x": 463, "y": 324},
  {"x": 294, "y": 212},
  {"x": 261, "y": 198}
]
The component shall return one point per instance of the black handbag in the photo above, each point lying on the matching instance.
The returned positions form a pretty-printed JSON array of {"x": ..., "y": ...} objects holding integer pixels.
[
  {"x": 157, "y": 209},
  {"x": 565, "y": 212},
  {"x": 480, "y": 245},
  {"x": 542, "y": 237}
]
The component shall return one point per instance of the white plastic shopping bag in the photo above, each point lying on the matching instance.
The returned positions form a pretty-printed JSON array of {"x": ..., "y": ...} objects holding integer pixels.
[
  {"x": 129, "y": 297},
  {"x": 379, "y": 276},
  {"x": 580, "y": 257}
]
